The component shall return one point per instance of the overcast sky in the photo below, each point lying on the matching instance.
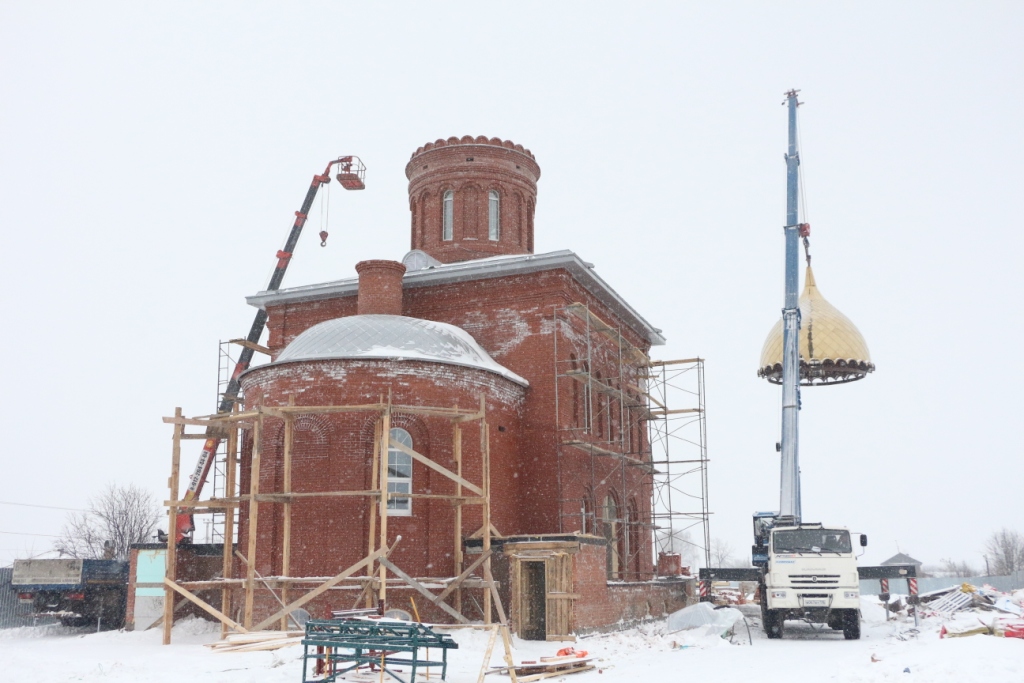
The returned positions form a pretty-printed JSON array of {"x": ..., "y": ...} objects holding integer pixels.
[{"x": 152, "y": 156}]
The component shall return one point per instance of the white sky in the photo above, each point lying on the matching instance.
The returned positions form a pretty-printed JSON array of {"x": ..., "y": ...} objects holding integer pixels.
[{"x": 151, "y": 157}]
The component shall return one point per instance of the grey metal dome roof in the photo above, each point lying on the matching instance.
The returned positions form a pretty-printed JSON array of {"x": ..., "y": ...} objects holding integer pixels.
[{"x": 393, "y": 337}]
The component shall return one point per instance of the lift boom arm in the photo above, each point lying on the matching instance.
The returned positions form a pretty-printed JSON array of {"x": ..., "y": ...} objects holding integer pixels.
[{"x": 350, "y": 176}]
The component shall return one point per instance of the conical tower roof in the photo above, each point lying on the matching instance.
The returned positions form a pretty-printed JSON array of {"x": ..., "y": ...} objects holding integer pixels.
[{"x": 832, "y": 349}]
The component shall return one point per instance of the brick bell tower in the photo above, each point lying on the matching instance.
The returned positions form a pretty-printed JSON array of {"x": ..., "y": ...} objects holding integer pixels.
[{"x": 472, "y": 198}]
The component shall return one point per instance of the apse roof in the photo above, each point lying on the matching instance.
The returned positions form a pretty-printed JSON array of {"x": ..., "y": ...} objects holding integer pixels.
[
  {"x": 422, "y": 273},
  {"x": 393, "y": 337}
]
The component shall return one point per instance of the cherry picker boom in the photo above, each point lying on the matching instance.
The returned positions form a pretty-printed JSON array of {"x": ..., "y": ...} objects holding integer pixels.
[{"x": 351, "y": 175}]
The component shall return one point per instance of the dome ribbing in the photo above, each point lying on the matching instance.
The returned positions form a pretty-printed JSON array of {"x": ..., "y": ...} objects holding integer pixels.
[{"x": 832, "y": 349}]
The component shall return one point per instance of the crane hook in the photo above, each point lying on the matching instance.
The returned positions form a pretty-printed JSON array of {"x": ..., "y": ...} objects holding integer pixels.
[{"x": 323, "y": 238}]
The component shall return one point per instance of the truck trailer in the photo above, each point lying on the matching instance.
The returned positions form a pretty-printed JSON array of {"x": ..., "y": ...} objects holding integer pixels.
[{"x": 76, "y": 592}]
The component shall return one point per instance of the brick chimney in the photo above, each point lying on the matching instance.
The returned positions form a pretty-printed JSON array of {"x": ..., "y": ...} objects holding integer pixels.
[{"x": 380, "y": 287}]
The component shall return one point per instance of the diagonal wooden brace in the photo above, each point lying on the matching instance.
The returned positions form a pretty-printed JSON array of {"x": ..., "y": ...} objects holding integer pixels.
[
  {"x": 462, "y": 577},
  {"x": 204, "y": 605},
  {"x": 369, "y": 559},
  {"x": 423, "y": 591},
  {"x": 434, "y": 466}
]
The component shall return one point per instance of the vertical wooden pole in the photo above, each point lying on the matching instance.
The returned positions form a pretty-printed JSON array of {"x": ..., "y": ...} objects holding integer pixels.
[
  {"x": 286, "y": 551},
  {"x": 457, "y": 451},
  {"x": 373, "y": 505},
  {"x": 254, "y": 490},
  {"x": 229, "y": 520},
  {"x": 171, "y": 556},
  {"x": 385, "y": 434},
  {"x": 485, "y": 455}
]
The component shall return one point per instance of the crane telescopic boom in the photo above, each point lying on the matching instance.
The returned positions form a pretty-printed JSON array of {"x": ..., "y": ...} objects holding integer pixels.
[
  {"x": 351, "y": 173},
  {"x": 789, "y": 504}
]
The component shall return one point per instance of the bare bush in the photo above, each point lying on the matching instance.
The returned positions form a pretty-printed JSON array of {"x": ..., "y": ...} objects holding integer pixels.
[
  {"x": 721, "y": 554},
  {"x": 1004, "y": 552},
  {"x": 691, "y": 554},
  {"x": 958, "y": 569},
  {"x": 115, "y": 519}
]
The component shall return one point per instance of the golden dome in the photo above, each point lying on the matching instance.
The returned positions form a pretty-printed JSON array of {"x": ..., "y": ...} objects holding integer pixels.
[{"x": 832, "y": 349}]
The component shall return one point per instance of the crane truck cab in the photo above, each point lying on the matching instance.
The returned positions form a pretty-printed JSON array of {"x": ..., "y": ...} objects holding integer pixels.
[{"x": 809, "y": 572}]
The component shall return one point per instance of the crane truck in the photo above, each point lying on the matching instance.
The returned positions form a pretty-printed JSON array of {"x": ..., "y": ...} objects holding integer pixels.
[
  {"x": 350, "y": 175},
  {"x": 805, "y": 571}
]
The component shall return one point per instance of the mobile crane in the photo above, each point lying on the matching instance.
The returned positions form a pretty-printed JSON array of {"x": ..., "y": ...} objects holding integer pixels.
[
  {"x": 350, "y": 175},
  {"x": 803, "y": 570}
]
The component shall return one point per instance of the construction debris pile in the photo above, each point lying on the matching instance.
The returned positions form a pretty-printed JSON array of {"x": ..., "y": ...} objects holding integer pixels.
[{"x": 967, "y": 610}]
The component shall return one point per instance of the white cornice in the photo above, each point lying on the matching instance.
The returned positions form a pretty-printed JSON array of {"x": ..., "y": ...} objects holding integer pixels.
[{"x": 479, "y": 269}]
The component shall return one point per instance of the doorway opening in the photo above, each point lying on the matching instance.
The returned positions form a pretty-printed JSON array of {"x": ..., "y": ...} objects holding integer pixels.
[{"x": 534, "y": 601}]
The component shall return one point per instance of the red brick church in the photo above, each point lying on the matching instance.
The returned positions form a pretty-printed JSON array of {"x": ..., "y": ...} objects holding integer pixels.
[{"x": 471, "y": 310}]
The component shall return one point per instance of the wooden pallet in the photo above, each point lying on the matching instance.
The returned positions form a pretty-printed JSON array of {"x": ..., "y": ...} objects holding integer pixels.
[{"x": 549, "y": 667}]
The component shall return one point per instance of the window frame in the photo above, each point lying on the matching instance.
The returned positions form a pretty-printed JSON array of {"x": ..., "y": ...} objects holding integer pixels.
[
  {"x": 493, "y": 215},
  {"x": 398, "y": 483},
  {"x": 448, "y": 216}
]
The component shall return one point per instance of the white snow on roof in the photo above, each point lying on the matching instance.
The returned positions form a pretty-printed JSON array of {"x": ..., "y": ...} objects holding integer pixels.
[{"x": 394, "y": 337}]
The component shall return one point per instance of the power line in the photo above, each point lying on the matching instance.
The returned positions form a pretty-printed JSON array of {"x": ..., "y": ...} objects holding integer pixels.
[
  {"x": 22, "y": 533},
  {"x": 48, "y": 507}
]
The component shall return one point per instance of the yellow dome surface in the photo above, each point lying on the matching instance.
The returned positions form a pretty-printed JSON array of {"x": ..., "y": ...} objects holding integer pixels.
[{"x": 832, "y": 349}]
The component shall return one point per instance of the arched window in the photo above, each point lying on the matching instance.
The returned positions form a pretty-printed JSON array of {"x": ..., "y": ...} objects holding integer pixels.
[
  {"x": 447, "y": 214},
  {"x": 613, "y": 535},
  {"x": 588, "y": 523},
  {"x": 633, "y": 538},
  {"x": 493, "y": 216},
  {"x": 613, "y": 418},
  {"x": 575, "y": 391},
  {"x": 399, "y": 473}
]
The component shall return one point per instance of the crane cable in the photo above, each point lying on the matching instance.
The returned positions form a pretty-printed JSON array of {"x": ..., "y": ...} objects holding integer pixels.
[
  {"x": 325, "y": 215},
  {"x": 803, "y": 197}
]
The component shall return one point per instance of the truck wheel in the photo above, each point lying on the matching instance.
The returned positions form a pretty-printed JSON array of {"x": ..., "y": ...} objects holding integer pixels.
[
  {"x": 851, "y": 625},
  {"x": 773, "y": 623}
]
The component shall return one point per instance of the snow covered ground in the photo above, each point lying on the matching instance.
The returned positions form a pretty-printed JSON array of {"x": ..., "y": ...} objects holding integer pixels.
[{"x": 885, "y": 652}]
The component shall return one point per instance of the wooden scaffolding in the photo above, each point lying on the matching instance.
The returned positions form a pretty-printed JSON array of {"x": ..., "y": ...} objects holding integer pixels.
[{"x": 371, "y": 572}]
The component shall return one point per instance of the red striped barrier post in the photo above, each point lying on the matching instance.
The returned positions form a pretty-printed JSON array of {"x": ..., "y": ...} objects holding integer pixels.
[{"x": 913, "y": 599}]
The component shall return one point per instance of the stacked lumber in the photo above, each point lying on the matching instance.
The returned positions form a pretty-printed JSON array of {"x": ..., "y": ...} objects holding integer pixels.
[{"x": 254, "y": 642}]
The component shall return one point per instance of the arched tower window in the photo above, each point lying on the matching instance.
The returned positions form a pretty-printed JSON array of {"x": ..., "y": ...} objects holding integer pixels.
[
  {"x": 447, "y": 214},
  {"x": 399, "y": 473},
  {"x": 493, "y": 216}
]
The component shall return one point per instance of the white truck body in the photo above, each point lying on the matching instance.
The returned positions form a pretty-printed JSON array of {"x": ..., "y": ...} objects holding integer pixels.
[
  {"x": 811, "y": 574},
  {"x": 815, "y": 577}
]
